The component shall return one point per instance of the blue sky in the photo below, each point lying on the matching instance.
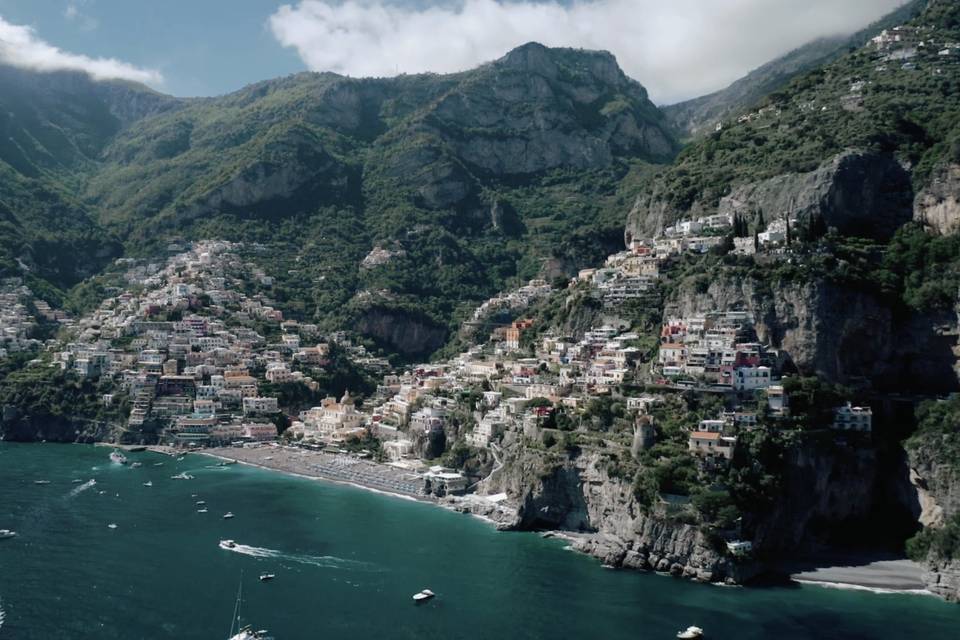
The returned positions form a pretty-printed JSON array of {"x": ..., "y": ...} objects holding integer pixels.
[
  {"x": 676, "y": 48},
  {"x": 202, "y": 47}
]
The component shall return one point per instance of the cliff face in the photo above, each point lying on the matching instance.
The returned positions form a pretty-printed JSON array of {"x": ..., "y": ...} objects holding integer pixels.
[
  {"x": 824, "y": 490},
  {"x": 831, "y": 330},
  {"x": 408, "y": 333},
  {"x": 579, "y": 495},
  {"x": 936, "y": 486},
  {"x": 938, "y": 205},
  {"x": 18, "y": 427},
  {"x": 861, "y": 194}
]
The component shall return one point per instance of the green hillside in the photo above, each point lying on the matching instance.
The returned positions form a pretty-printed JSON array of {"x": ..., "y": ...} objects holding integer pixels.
[{"x": 699, "y": 116}]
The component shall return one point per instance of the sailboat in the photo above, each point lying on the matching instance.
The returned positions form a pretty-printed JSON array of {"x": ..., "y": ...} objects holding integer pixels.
[{"x": 245, "y": 632}]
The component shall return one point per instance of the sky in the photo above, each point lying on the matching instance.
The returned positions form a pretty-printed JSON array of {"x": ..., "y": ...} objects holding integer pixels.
[{"x": 678, "y": 49}]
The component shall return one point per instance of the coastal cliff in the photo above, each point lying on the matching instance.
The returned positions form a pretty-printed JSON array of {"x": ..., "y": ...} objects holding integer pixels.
[
  {"x": 823, "y": 490},
  {"x": 832, "y": 329}
]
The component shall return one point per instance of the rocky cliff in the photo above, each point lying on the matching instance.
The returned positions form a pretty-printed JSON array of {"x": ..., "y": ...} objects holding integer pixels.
[
  {"x": 579, "y": 495},
  {"x": 824, "y": 490},
  {"x": 831, "y": 329},
  {"x": 857, "y": 193},
  {"x": 938, "y": 205},
  {"x": 936, "y": 486}
]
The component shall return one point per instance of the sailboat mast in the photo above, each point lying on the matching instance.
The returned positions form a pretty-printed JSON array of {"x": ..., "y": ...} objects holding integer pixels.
[{"x": 236, "y": 606}]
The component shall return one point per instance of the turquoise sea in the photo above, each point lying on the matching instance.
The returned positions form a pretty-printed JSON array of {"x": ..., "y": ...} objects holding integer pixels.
[{"x": 347, "y": 563}]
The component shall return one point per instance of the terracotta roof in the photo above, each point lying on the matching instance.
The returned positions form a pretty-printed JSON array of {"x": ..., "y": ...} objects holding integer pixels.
[{"x": 704, "y": 435}]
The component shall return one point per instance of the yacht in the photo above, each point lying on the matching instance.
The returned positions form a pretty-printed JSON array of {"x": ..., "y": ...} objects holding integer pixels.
[
  {"x": 245, "y": 632},
  {"x": 7, "y": 533},
  {"x": 228, "y": 544},
  {"x": 264, "y": 577},
  {"x": 424, "y": 595},
  {"x": 119, "y": 458},
  {"x": 690, "y": 632},
  {"x": 227, "y": 515}
]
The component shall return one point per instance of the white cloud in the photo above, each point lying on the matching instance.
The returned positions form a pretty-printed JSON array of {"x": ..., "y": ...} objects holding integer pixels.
[
  {"x": 677, "y": 49},
  {"x": 20, "y": 47},
  {"x": 74, "y": 14}
]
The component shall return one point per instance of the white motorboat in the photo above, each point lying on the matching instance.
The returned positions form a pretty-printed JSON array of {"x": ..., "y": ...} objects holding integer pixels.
[
  {"x": 265, "y": 577},
  {"x": 111, "y": 526},
  {"x": 201, "y": 510},
  {"x": 41, "y": 482},
  {"x": 135, "y": 465},
  {"x": 183, "y": 475},
  {"x": 690, "y": 632},
  {"x": 228, "y": 544},
  {"x": 200, "y": 503},
  {"x": 148, "y": 483},
  {"x": 227, "y": 515},
  {"x": 7, "y": 533},
  {"x": 423, "y": 596},
  {"x": 119, "y": 458}
]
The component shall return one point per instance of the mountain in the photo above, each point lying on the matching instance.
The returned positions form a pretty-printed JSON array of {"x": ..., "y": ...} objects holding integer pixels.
[
  {"x": 460, "y": 182},
  {"x": 698, "y": 116},
  {"x": 53, "y": 128},
  {"x": 888, "y": 111}
]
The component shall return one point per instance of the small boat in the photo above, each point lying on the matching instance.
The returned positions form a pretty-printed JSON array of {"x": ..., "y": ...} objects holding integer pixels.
[
  {"x": 183, "y": 475},
  {"x": 201, "y": 510},
  {"x": 424, "y": 595},
  {"x": 148, "y": 483},
  {"x": 76, "y": 481},
  {"x": 158, "y": 464},
  {"x": 179, "y": 458},
  {"x": 119, "y": 458},
  {"x": 135, "y": 465},
  {"x": 264, "y": 577},
  {"x": 228, "y": 544},
  {"x": 226, "y": 463},
  {"x": 200, "y": 503},
  {"x": 7, "y": 533},
  {"x": 41, "y": 482},
  {"x": 690, "y": 632},
  {"x": 111, "y": 526},
  {"x": 244, "y": 632},
  {"x": 227, "y": 515}
]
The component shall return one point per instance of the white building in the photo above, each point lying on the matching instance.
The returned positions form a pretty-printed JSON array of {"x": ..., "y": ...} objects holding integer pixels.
[{"x": 850, "y": 418}]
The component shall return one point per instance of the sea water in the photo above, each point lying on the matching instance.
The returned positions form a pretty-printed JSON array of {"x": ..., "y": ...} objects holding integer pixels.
[{"x": 347, "y": 563}]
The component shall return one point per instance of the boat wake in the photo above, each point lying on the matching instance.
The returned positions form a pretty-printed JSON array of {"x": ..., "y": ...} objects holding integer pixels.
[
  {"x": 80, "y": 489},
  {"x": 327, "y": 562}
]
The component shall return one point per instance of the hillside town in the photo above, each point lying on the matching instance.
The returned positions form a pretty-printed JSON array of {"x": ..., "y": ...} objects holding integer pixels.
[{"x": 202, "y": 359}]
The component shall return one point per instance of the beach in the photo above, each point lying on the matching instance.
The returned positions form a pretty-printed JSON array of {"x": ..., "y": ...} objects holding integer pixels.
[
  {"x": 883, "y": 575},
  {"x": 341, "y": 468}
]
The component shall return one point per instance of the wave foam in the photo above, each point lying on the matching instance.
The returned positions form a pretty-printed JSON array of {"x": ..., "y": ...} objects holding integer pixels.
[
  {"x": 80, "y": 489},
  {"x": 327, "y": 562}
]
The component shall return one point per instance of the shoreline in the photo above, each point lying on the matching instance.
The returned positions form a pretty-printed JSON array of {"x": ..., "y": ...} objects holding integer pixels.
[
  {"x": 887, "y": 575},
  {"x": 322, "y": 478},
  {"x": 884, "y": 575},
  {"x": 312, "y": 465}
]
